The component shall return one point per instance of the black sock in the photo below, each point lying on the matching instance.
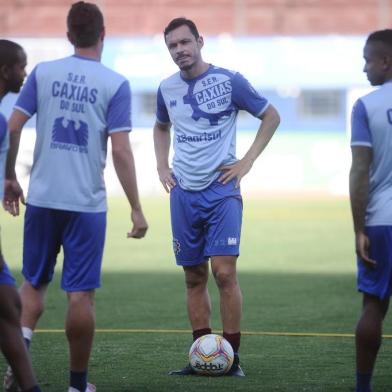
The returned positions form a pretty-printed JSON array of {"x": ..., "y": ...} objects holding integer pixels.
[
  {"x": 78, "y": 380},
  {"x": 234, "y": 339},
  {"x": 197, "y": 333}
]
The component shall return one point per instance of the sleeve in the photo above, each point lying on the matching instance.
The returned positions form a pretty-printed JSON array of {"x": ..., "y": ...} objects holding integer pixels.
[
  {"x": 118, "y": 116},
  {"x": 27, "y": 100},
  {"x": 3, "y": 129},
  {"x": 245, "y": 97},
  {"x": 162, "y": 113},
  {"x": 360, "y": 130}
]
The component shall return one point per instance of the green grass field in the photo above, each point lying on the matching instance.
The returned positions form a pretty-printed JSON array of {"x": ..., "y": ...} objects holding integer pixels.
[{"x": 297, "y": 273}]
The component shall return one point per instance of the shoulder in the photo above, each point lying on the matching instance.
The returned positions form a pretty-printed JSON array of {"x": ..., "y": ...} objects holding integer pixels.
[
  {"x": 112, "y": 75},
  {"x": 378, "y": 95},
  {"x": 216, "y": 69},
  {"x": 53, "y": 63},
  {"x": 171, "y": 80}
]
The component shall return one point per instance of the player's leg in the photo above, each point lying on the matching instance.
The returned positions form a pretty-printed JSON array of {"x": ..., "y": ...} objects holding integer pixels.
[
  {"x": 375, "y": 284},
  {"x": 198, "y": 298},
  {"x": 41, "y": 245},
  {"x": 198, "y": 306},
  {"x": 83, "y": 243},
  {"x": 223, "y": 240},
  {"x": 11, "y": 339},
  {"x": 80, "y": 327},
  {"x": 188, "y": 245},
  {"x": 368, "y": 337},
  {"x": 40, "y": 248},
  {"x": 224, "y": 271},
  {"x": 33, "y": 305},
  {"x": 225, "y": 274}
]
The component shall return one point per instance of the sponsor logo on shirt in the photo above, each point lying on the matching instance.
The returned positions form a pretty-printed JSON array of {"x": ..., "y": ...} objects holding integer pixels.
[
  {"x": 204, "y": 137},
  {"x": 66, "y": 135}
]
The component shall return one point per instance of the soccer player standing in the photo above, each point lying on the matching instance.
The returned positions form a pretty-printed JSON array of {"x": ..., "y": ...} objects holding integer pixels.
[
  {"x": 202, "y": 101},
  {"x": 12, "y": 74},
  {"x": 371, "y": 201},
  {"x": 79, "y": 105}
]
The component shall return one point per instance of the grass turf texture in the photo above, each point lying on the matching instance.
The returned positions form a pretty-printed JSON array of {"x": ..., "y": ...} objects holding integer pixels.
[{"x": 297, "y": 273}]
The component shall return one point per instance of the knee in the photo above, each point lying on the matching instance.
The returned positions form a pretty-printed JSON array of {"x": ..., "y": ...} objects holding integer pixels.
[
  {"x": 81, "y": 299},
  {"x": 225, "y": 280},
  {"x": 195, "y": 282},
  {"x": 11, "y": 307}
]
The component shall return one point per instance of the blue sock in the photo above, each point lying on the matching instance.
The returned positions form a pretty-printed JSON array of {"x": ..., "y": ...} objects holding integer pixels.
[
  {"x": 34, "y": 389},
  {"x": 78, "y": 380},
  {"x": 363, "y": 382}
]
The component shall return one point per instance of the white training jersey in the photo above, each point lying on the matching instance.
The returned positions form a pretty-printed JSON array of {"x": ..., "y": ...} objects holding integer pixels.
[
  {"x": 372, "y": 127},
  {"x": 203, "y": 113},
  {"x": 79, "y": 102}
]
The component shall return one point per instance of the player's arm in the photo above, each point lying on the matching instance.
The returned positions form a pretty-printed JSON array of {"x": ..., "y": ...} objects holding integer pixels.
[
  {"x": 270, "y": 120},
  {"x": 359, "y": 193},
  {"x": 13, "y": 192},
  {"x": 124, "y": 165},
  {"x": 162, "y": 140},
  {"x": 161, "y": 134}
]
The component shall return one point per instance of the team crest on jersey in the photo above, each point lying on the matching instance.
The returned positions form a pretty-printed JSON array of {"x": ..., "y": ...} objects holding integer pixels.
[
  {"x": 210, "y": 96},
  {"x": 66, "y": 135}
]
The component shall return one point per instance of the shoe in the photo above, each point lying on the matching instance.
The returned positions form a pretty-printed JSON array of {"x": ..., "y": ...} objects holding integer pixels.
[
  {"x": 90, "y": 388},
  {"x": 186, "y": 371},
  {"x": 9, "y": 383},
  {"x": 235, "y": 371}
]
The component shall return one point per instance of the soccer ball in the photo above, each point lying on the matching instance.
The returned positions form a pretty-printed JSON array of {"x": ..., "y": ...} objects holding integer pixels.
[{"x": 211, "y": 355}]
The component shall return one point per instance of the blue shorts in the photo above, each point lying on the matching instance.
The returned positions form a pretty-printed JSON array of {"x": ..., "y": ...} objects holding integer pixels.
[
  {"x": 5, "y": 274},
  {"x": 377, "y": 281},
  {"x": 205, "y": 223},
  {"x": 82, "y": 236}
]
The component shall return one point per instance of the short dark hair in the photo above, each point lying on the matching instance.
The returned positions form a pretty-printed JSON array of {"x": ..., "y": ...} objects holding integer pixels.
[
  {"x": 177, "y": 22},
  {"x": 9, "y": 52},
  {"x": 85, "y": 24},
  {"x": 384, "y": 36}
]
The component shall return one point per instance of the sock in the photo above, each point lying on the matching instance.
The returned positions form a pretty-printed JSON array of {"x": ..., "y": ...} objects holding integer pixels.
[
  {"x": 234, "y": 339},
  {"x": 78, "y": 380},
  {"x": 27, "y": 335},
  {"x": 363, "y": 382},
  {"x": 197, "y": 333},
  {"x": 34, "y": 389}
]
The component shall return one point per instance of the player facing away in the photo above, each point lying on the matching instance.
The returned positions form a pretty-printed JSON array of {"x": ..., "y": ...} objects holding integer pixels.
[
  {"x": 12, "y": 74},
  {"x": 80, "y": 104},
  {"x": 371, "y": 201},
  {"x": 202, "y": 101}
]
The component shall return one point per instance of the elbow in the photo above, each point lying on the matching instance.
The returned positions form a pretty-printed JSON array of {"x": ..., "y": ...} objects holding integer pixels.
[
  {"x": 277, "y": 120},
  {"x": 120, "y": 153}
]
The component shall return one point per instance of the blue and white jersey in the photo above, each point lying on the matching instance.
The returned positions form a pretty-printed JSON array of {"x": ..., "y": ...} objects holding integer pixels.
[
  {"x": 372, "y": 127},
  {"x": 203, "y": 113},
  {"x": 79, "y": 102},
  {"x": 4, "y": 140}
]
